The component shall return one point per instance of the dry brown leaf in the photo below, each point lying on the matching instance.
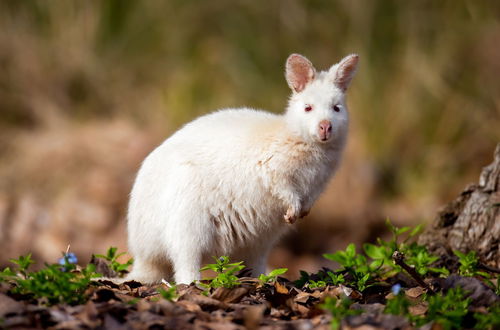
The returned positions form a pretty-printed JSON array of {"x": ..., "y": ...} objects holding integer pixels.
[
  {"x": 418, "y": 309},
  {"x": 362, "y": 327},
  {"x": 217, "y": 325},
  {"x": 280, "y": 288},
  {"x": 229, "y": 295},
  {"x": 302, "y": 297},
  {"x": 111, "y": 323},
  {"x": 415, "y": 292},
  {"x": 189, "y": 305},
  {"x": 205, "y": 303},
  {"x": 9, "y": 306},
  {"x": 143, "y": 305},
  {"x": 300, "y": 309},
  {"x": 103, "y": 294},
  {"x": 89, "y": 315},
  {"x": 102, "y": 266},
  {"x": 130, "y": 285},
  {"x": 110, "y": 282},
  {"x": 332, "y": 291}
]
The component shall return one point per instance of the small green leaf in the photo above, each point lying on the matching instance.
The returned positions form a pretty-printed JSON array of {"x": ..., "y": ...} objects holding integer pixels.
[
  {"x": 351, "y": 250},
  {"x": 169, "y": 294},
  {"x": 376, "y": 264},
  {"x": 278, "y": 271},
  {"x": 373, "y": 251},
  {"x": 417, "y": 230},
  {"x": 402, "y": 230},
  {"x": 459, "y": 254},
  {"x": 335, "y": 257}
]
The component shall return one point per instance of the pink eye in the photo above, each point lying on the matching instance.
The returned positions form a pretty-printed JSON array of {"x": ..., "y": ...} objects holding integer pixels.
[
  {"x": 308, "y": 108},
  {"x": 336, "y": 108}
]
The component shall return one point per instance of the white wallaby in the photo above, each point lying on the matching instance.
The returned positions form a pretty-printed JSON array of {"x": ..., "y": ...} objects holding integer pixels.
[{"x": 229, "y": 182}]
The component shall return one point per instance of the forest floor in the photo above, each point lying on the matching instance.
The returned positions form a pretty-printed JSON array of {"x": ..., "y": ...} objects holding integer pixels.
[{"x": 361, "y": 294}]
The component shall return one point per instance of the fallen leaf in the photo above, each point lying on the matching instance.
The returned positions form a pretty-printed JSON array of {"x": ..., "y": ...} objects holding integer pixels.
[
  {"x": 205, "y": 303},
  {"x": 132, "y": 284},
  {"x": 418, "y": 309},
  {"x": 332, "y": 291},
  {"x": 229, "y": 295},
  {"x": 109, "y": 282},
  {"x": 89, "y": 315},
  {"x": 302, "y": 297},
  {"x": 111, "y": 323},
  {"x": 103, "y": 294},
  {"x": 9, "y": 306},
  {"x": 102, "y": 267},
  {"x": 280, "y": 288},
  {"x": 415, "y": 292},
  {"x": 189, "y": 305},
  {"x": 143, "y": 305}
]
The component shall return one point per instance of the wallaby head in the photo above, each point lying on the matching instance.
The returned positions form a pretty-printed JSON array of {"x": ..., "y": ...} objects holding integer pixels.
[{"x": 317, "y": 111}]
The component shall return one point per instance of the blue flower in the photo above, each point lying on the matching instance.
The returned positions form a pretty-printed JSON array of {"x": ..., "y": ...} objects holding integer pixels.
[
  {"x": 396, "y": 288},
  {"x": 68, "y": 258}
]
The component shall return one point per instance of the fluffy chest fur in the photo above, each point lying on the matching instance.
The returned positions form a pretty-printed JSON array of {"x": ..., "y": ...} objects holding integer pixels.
[{"x": 242, "y": 171}]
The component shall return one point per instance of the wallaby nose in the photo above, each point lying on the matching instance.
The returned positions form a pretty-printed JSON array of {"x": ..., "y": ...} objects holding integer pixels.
[{"x": 325, "y": 130}]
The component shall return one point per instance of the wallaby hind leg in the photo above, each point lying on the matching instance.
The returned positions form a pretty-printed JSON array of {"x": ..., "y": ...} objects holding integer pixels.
[{"x": 149, "y": 272}]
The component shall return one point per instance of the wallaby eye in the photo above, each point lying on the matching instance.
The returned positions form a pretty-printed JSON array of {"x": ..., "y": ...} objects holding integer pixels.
[
  {"x": 308, "y": 108},
  {"x": 336, "y": 108}
]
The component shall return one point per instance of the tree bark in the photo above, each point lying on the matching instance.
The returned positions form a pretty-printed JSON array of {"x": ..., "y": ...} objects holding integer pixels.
[{"x": 472, "y": 221}]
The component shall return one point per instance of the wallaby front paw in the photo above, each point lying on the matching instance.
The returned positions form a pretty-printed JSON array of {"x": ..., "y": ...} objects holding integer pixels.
[{"x": 291, "y": 216}]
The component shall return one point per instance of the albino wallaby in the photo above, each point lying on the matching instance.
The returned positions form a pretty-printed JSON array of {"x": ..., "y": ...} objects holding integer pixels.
[{"x": 228, "y": 182}]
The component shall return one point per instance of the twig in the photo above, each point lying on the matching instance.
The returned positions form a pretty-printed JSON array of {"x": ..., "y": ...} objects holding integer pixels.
[{"x": 399, "y": 259}]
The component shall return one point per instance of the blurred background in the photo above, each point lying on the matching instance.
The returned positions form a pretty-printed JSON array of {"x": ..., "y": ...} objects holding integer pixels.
[{"x": 89, "y": 88}]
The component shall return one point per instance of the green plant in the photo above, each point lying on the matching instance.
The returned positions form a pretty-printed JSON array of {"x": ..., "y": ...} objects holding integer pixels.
[
  {"x": 273, "y": 275},
  {"x": 112, "y": 257},
  {"x": 362, "y": 271},
  {"x": 416, "y": 255},
  {"x": 303, "y": 279},
  {"x": 399, "y": 304},
  {"x": 324, "y": 279},
  {"x": 335, "y": 279},
  {"x": 384, "y": 250},
  {"x": 316, "y": 284},
  {"x": 349, "y": 259},
  {"x": 170, "y": 294},
  {"x": 468, "y": 264},
  {"x": 23, "y": 263},
  {"x": 491, "y": 320},
  {"x": 448, "y": 309},
  {"x": 361, "y": 280},
  {"x": 338, "y": 308},
  {"x": 55, "y": 283},
  {"x": 225, "y": 273},
  {"x": 356, "y": 265}
]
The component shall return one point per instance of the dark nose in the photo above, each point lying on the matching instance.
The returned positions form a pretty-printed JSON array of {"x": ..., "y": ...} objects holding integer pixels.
[{"x": 325, "y": 129}]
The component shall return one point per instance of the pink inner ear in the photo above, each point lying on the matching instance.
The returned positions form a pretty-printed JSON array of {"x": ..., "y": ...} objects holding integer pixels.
[
  {"x": 299, "y": 72},
  {"x": 345, "y": 71}
]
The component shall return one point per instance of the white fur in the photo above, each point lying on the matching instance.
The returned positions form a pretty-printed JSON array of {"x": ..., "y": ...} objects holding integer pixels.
[{"x": 225, "y": 183}]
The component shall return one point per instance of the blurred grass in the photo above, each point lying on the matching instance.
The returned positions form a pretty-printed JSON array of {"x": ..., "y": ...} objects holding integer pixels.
[{"x": 425, "y": 103}]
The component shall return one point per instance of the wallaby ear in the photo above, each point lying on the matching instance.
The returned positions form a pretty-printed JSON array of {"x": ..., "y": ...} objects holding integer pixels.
[
  {"x": 345, "y": 70},
  {"x": 299, "y": 72}
]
